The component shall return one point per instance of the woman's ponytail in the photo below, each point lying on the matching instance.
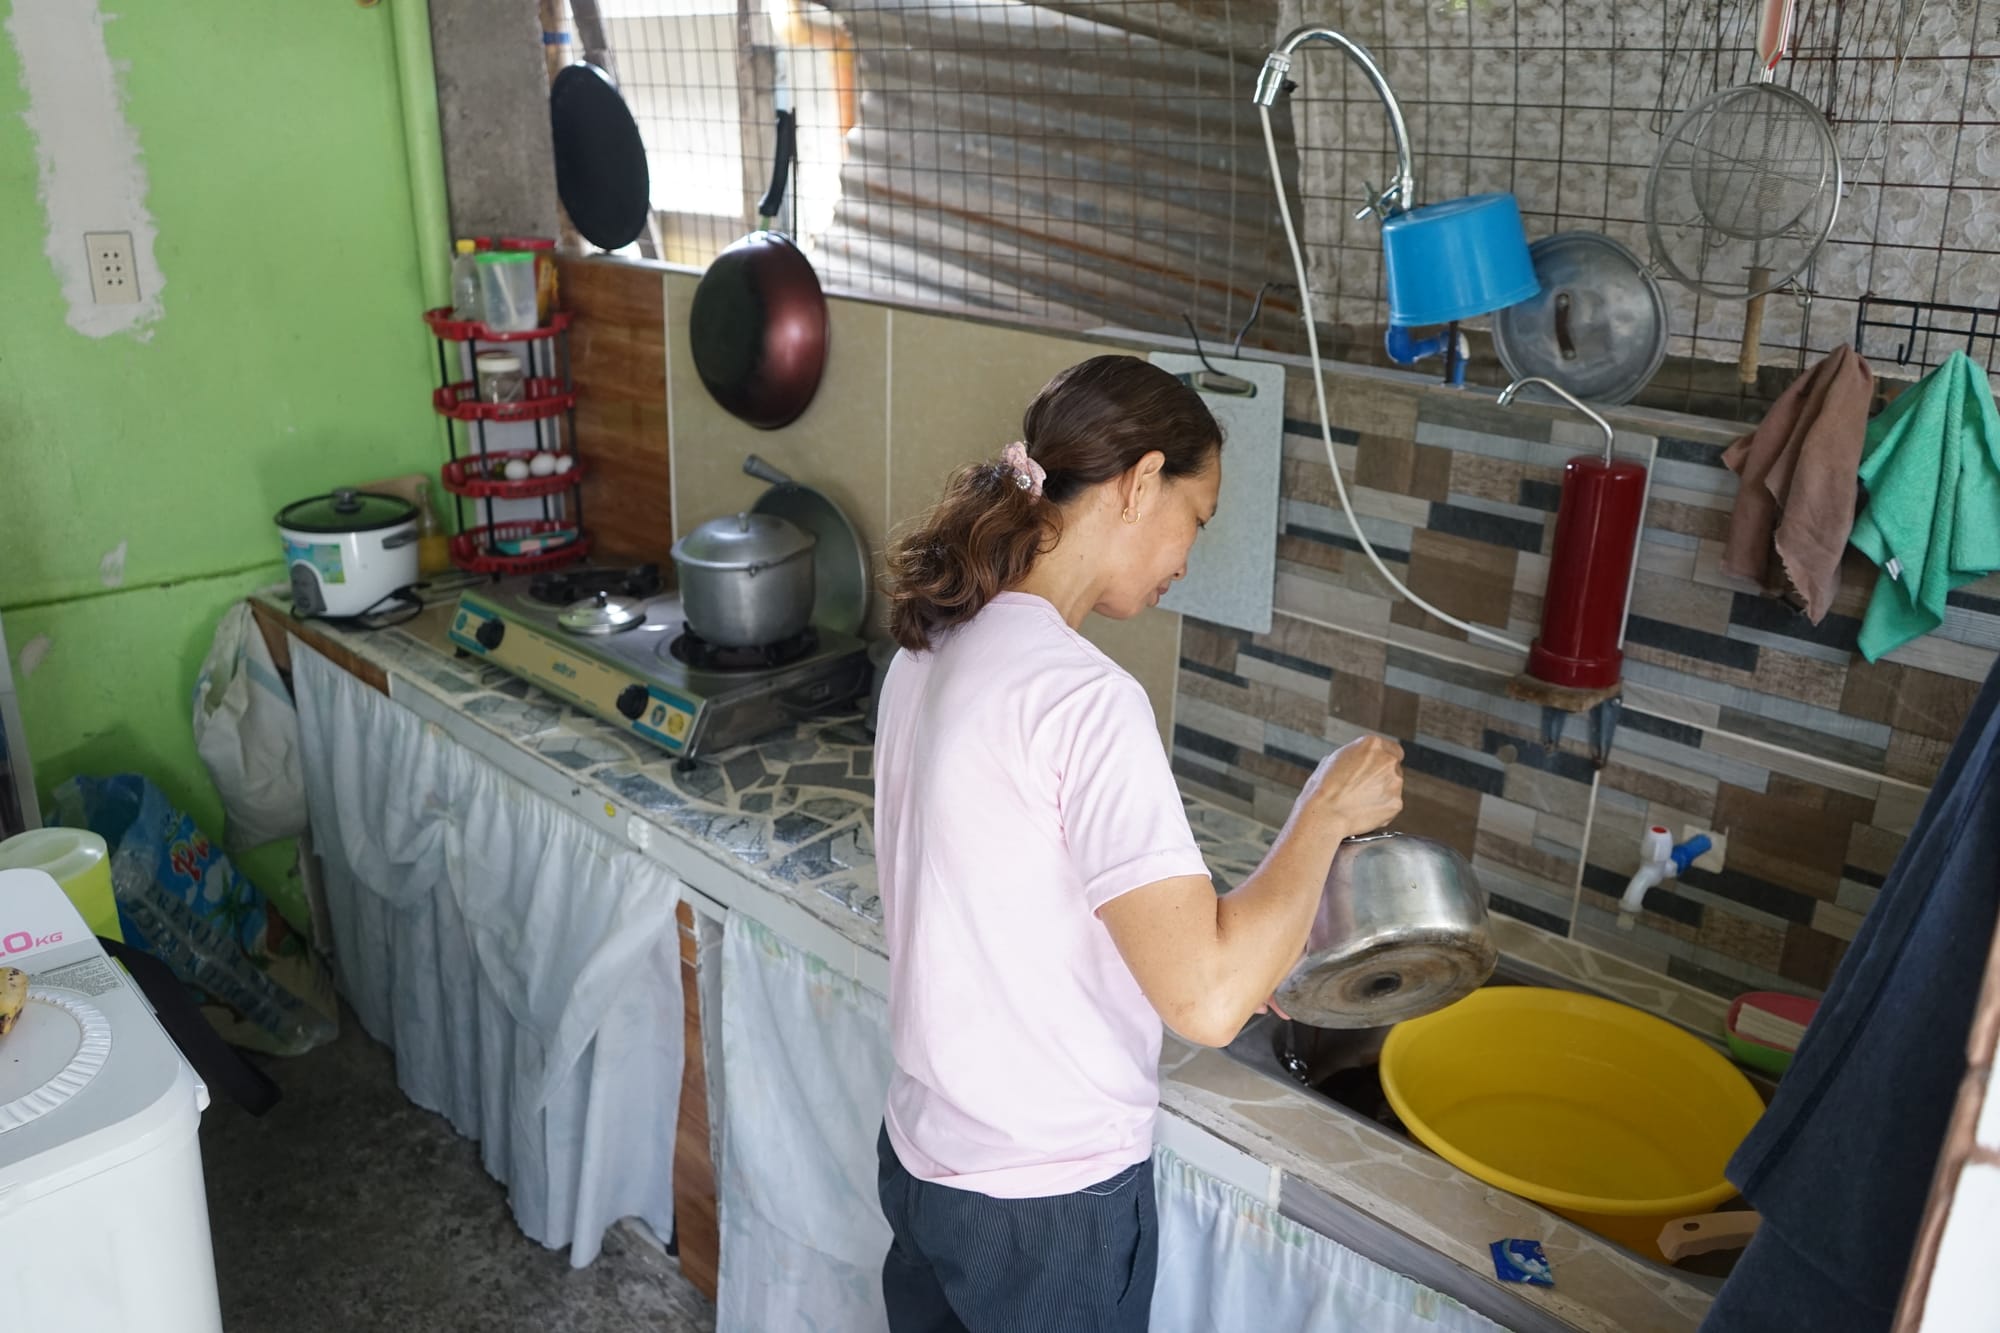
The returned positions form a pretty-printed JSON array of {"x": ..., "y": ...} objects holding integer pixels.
[{"x": 979, "y": 540}]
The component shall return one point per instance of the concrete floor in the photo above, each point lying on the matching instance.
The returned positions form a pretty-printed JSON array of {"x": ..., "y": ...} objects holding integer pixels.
[{"x": 348, "y": 1208}]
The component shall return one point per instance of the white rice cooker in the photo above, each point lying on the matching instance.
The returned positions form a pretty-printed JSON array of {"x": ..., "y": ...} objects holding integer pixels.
[{"x": 349, "y": 552}]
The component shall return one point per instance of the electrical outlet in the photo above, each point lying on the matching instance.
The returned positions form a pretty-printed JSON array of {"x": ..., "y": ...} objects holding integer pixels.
[
  {"x": 114, "y": 278},
  {"x": 1712, "y": 859}
]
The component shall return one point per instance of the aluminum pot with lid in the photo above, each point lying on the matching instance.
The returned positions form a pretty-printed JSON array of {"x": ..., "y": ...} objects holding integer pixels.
[
  {"x": 746, "y": 580},
  {"x": 1401, "y": 931}
]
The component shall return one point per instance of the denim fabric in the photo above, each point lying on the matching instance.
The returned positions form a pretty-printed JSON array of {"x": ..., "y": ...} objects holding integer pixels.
[
  {"x": 962, "y": 1262},
  {"x": 1840, "y": 1165}
]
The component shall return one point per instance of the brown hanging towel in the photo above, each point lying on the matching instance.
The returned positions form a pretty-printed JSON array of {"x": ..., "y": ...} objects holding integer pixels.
[{"x": 1795, "y": 508}]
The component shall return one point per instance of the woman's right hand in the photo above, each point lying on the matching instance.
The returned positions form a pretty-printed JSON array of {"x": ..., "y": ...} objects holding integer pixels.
[{"x": 1358, "y": 788}]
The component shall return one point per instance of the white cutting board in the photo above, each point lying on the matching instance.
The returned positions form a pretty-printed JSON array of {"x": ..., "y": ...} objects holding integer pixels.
[{"x": 1235, "y": 561}]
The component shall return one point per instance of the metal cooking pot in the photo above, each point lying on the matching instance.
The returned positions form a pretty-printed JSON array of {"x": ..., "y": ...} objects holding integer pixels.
[
  {"x": 746, "y": 580},
  {"x": 1401, "y": 931}
]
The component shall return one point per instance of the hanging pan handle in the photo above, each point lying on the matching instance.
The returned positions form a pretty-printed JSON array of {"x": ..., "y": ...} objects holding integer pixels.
[{"x": 781, "y": 167}]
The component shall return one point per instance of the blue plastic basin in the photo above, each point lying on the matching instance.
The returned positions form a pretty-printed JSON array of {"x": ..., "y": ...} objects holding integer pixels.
[{"x": 1456, "y": 259}]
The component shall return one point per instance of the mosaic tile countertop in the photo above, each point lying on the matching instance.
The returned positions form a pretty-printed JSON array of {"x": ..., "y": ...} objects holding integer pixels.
[{"x": 793, "y": 813}]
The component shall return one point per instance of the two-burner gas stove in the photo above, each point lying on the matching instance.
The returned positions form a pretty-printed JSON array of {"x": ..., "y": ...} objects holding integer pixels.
[{"x": 613, "y": 643}]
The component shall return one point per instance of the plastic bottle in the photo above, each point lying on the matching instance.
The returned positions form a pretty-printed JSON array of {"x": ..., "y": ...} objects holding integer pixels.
[
  {"x": 544, "y": 251},
  {"x": 433, "y": 545},
  {"x": 465, "y": 281}
]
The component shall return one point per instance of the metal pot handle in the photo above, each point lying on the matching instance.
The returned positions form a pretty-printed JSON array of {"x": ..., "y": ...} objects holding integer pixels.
[
  {"x": 390, "y": 543},
  {"x": 762, "y": 471}
]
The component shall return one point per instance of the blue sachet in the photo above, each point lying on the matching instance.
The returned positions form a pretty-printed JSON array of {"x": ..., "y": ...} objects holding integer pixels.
[{"x": 1522, "y": 1261}]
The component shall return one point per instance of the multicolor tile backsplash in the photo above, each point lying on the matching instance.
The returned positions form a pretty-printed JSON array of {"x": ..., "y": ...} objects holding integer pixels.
[{"x": 1739, "y": 715}]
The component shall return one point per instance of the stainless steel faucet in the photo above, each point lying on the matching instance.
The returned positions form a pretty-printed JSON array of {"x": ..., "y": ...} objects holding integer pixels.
[
  {"x": 1402, "y": 192},
  {"x": 1507, "y": 398}
]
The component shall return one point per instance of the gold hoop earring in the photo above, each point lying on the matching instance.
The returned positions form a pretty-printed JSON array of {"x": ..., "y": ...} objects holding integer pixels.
[{"x": 1129, "y": 514}]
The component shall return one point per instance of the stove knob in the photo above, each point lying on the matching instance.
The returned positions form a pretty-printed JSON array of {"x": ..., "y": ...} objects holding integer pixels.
[
  {"x": 632, "y": 701},
  {"x": 489, "y": 634}
]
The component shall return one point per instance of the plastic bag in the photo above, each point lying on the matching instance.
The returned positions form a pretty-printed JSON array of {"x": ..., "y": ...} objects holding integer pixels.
[
  {"x": 181, "y": 900},
  {"x": 247, "y": 733}
]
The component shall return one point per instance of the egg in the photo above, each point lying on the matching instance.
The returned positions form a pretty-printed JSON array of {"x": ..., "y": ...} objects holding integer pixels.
[
  {"x": 564, "y": 462},
  {"x": 516, "y": 470},
  {"x": 544, "y": 465}
]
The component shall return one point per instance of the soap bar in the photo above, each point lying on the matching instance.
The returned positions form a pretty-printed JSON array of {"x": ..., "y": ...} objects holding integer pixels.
[{"x": 1522, "y": 1261}]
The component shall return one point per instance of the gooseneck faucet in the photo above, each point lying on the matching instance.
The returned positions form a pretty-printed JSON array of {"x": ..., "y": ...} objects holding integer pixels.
[
  {"x": 1402, "y": 192},
  {"x": 1507, "y": 397}
]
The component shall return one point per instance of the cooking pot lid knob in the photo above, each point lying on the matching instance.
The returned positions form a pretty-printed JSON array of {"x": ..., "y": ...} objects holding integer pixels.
[
  {"x": 603, "y": 598},
  {"x": 346, "y": 500}
]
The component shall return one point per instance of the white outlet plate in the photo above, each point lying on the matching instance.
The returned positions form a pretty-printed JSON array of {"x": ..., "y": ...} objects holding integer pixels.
[
  {"x": 1712, "y": 859},
  {"x": 114, "y": 278}
]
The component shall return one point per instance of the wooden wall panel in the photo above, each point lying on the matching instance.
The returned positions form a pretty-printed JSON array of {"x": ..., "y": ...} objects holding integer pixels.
[
  {"x": 619, "y": 359},
  {"x": 700, "y": 1241}
]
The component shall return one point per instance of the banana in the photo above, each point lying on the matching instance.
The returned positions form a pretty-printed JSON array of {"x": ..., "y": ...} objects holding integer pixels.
[{"x": 13, "y": 997}]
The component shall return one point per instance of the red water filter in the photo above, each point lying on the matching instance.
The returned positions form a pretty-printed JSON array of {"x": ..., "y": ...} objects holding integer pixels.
[{"x": 1590, "y": 572}]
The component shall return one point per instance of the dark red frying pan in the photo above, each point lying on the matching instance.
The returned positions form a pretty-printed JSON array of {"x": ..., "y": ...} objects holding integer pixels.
[{"x": 758, "y": 329}]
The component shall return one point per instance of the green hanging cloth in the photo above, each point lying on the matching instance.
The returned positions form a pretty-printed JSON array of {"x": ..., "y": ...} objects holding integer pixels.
[{"x": 1931, "y": 467}]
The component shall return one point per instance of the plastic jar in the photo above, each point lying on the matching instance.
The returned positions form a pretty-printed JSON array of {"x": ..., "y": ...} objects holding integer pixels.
[
  {"x": 544, "y": 251},
  {"x": 500, "y": 377},
  {"x": 507, "y": 290}
]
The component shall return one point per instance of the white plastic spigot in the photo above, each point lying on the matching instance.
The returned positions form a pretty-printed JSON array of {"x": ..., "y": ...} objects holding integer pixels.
[{"x": 1659, "y": 860}]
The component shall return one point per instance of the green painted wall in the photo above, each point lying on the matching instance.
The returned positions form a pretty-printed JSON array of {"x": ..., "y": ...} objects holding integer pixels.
[{"x": 288, "y": 358}]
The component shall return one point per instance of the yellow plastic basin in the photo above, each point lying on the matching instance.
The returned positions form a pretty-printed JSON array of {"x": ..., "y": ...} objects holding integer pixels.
[{"x": 1615, "y": 1119}]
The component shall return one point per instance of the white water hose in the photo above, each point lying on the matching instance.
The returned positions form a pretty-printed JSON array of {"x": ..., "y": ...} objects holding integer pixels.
[{"x": 1325, "y": 418}]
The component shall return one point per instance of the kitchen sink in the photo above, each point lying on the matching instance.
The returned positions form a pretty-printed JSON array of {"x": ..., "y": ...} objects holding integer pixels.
[{"x": 1342, "y": 1068}]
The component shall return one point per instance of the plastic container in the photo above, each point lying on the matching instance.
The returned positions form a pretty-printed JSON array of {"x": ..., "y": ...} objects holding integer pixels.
[
  {"x": 433, "y": 543},
  {"x": 507, "y": 290},
  {"x": 544, "y": 251},
  {"x": 1456, "y": 259},
  {"x": 1618, "y": 1120},
  {"x": 465, "y": 282},
  {"x": 79, "y": 861},
  {"x": 500, "y": 377}
]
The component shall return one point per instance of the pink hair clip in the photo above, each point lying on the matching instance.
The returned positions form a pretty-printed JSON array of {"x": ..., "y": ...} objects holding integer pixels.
[{"x": 1028, "y": 474}]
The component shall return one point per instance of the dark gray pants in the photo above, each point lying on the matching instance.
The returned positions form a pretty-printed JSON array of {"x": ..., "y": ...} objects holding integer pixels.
[{"x": 961, "y": 1262}]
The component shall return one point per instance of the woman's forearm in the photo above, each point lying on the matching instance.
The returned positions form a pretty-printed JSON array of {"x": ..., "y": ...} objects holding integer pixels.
[
  {"x": 1262, "y": 924},
  {"x": 1208, "y": 962}
]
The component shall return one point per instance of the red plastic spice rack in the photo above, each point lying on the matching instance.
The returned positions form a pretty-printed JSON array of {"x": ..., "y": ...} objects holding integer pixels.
[
  {"x": 474, "y": 549},
  {"x": 483, "y": 477},
  {"x": 547, "y": 396},
  {"x": 483, "y": 437},
  {"x": 471, "y": 330}
]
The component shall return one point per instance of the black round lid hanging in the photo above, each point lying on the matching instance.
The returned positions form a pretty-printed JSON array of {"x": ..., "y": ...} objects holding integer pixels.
[{"x": 601, "y": 172}]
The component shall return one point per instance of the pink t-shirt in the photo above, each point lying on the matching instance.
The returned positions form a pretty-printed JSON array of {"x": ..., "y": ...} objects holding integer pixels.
[{"x": 1020, "y": 785}]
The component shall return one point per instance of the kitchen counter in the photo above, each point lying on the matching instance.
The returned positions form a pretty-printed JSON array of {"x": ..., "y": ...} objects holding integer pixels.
[{"x": 782, "y": 830}]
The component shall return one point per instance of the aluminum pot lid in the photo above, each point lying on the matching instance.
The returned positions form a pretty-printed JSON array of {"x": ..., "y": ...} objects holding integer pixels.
[
  {"x": 742, "y": 541},
  {"x": 346, "y": 510},
  {"x": 1599, "y": 325},
  {"x": 840, "y": 557},
  {"x": 606, "y": 613}
]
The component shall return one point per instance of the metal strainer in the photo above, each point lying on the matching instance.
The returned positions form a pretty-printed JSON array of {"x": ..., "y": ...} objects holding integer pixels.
[{"x": 1745, "y": 188}]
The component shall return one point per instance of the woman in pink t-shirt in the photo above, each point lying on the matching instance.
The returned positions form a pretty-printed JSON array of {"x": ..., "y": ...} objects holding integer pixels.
[{"x": 1045, "y": 906}]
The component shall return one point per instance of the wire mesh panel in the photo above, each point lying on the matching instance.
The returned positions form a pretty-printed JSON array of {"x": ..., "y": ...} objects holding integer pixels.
[
  {"x": 1100, "y": 163},
  {"x": 1086, "y": 164}
]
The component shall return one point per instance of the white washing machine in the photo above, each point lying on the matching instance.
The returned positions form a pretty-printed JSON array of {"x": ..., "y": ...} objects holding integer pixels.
[{"x": 103, "y": 1221}]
